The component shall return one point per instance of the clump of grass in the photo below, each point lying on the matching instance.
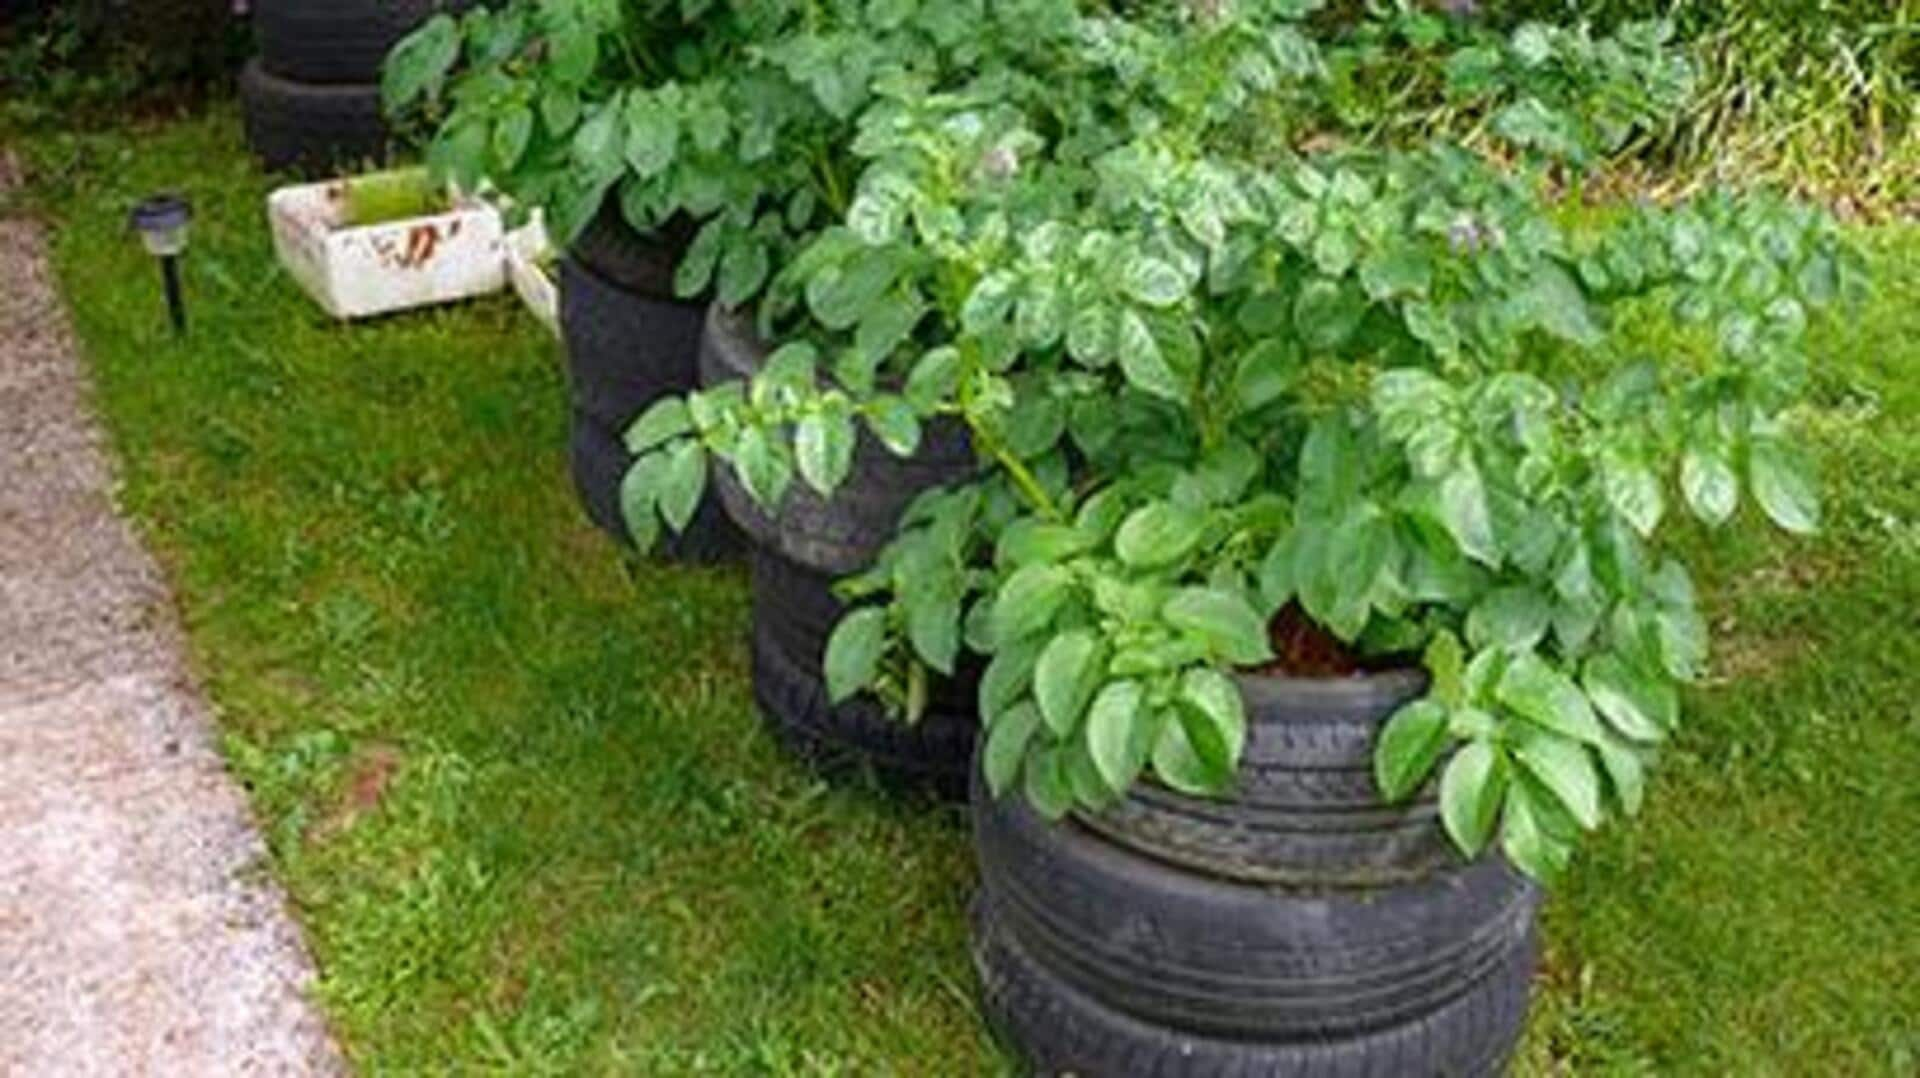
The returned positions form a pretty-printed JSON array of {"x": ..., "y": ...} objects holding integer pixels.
[{"x": 1817, "y": 96}]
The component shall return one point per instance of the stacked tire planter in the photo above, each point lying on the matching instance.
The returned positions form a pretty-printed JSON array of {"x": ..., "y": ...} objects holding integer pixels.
[
  {"x": 629, "y": 342},
  {"x": 312, "y": 96},
  {"x": 797, "y": 553},
  {"x": 1302, "y": 928}
]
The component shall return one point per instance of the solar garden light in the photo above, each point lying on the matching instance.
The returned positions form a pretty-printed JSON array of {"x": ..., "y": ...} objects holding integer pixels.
[{"x": 162, "y": 223}]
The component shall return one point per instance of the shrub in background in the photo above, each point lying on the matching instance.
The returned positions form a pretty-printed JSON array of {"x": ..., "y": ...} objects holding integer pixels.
[{"x": 66, "y": 62}]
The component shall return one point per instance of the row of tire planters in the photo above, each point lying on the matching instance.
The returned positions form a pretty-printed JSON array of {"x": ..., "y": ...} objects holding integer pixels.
[
  {"x": 1303, "y": 927},
  {"x": 629, "y": 342},
  {"x": 311, "y": 97},
  {"x": 797, "y": 554}
]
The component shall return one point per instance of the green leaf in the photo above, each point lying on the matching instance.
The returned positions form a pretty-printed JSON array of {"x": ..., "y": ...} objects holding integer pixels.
[
  {"x": 1327, "y": 314},
  {"x": 1471, "y": 789},
  {"x": 1400, "y": 269},
  {"x": 1636, "y": 706},
  {"x": 419, "y": 63},
  {"x": 1525, "y": 838},
  {"x": 1154, "y": 282},
  {"x": 596, "y": 142},
  {"x": 1027, "y": 602},
  {"x": 1565, "y": 768},
  {"x": 1230, "y": 626},
  {"x": 743, "y": 269},
  {"x": 934, "y": 379},
  {"x": 893, "y": 422},
  {"x": 1682, "y": 636},
  {"x": 1064, "y": 679},
  {"x": 1049, "y": 787},
  {"x": 639, "y": 494},
  {"x": 511, "y": 133},
  {"x": 682, "y": 483},
  {"x": 559, "y": 110},
  {"x": 1007, "y": 677},
  {"x": 1265, "y": 372},
  {"x": 1110, "y": 733},
  {"x": 1180, "y": 763},
  {"x": 1409, "y": 746},
  {"x": 1213, "y": 698},
  {"x": 653, "y": 136},
  {"x": 1514, "y": 618},
  {"x": 1277, "y": 581},
  {"x": 667, "y": 419},
  {"x": 1783, "y": 485},
  {"x": 1548, "y": 698},
  {"x": 1465, "y": 512},
  {"x": 1633, "y": 491},
  {"x": 1006, "y": 747},
  {"x": 1626, "y": 773},
  {"x": 1711, "y": 489},
  {"x": 1158, "y": 534},
  {"x": 854, "y": 650},
  {"x": 1446, "y": 661},
  {"x": 1142, "y": 361},
  {"x": 823, "y": 447},
  {"x": 1088, "y": 787},
  {"x": 763, "y": 471},
  {"x": 933, "y": 623},
  {"x": 1029, "y": 540},
  {"x": 989, "y": 303}
]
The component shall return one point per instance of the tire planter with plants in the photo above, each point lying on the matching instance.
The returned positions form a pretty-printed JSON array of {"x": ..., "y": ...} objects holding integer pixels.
[
  {"x": 797, "y": 554},
  {"x": 794, "y": 612},
  {"x": 1303, "y": 927},
  {"x": 628, "y": 343}
]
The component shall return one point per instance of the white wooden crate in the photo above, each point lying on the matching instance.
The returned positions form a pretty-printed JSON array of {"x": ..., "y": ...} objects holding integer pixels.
[
  {"x": 529, "y": 259},
  {"x": 392, "y": 266}
]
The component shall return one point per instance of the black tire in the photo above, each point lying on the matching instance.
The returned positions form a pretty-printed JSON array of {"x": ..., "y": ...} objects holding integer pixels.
[
  {"x": 794, "y": 611},
  {"x": 1204, "y": 955},
  {"x": 599, "y": 461},
  {"x": 1060, "y": 1030},
  {"x": 309, "y": 129},
  {"x": 624, "y": 351},
  {"x": 636, "y": 262},
  {"x": 1306, "y": 811},
  {"x": 337, "y": 42},
  {"x": 844, "y": 534}
]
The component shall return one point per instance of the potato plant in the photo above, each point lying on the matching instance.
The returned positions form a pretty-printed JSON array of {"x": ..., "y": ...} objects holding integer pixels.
[{"x": 1230, "y": 363}]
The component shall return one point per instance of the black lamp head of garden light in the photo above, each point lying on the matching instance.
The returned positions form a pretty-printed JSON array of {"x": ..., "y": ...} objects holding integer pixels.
[{"x": 162, "y": 222}]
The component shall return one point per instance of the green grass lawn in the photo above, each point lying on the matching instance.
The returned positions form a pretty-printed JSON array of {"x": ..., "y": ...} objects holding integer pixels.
[{"x": 516, "y": 789}]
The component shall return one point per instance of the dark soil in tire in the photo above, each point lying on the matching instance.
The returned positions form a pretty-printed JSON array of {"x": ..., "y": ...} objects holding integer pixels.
[
  {"x": 1203, "y": 955},
  {"x": 1305, "y": 811},
  {"x": 310, "y": 129},
  {"x": 598, "y": 460},
  {"x": 794, "y": 611},
  {"x": 336, "y": 42},
  {"x": 844, "y": 534},
  {"x": 1060, "y": 1030}
]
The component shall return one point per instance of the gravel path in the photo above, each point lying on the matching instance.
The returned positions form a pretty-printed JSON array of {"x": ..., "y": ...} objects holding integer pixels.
[{"x": 138, "y": 935}]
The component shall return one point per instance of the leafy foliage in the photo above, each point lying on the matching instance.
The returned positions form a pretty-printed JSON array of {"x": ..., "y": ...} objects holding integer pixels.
[{"x": 1212, "y": 373}]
